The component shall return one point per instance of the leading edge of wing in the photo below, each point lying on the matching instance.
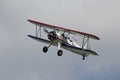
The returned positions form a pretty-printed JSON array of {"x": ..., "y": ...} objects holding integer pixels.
[
  {"x": 39, "y": 39},
  {"x": 64, "y": 29}
]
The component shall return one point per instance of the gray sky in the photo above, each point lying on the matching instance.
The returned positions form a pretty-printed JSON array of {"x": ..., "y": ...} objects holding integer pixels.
[{"x": 21, "y": 58}]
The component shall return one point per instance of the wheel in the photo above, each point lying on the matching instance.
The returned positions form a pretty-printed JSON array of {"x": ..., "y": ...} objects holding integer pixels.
[
  {"x": 45, "y": 49},
  {"x": 60, "y": 52},
  {"x": 83, "y": 58}
]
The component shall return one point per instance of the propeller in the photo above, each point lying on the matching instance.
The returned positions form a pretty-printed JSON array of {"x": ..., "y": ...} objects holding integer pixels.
[{"x": 51, "y": 35}]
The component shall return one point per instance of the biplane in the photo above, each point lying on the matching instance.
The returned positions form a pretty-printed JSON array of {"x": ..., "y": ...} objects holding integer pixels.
[{"x": 60, "y": 37}]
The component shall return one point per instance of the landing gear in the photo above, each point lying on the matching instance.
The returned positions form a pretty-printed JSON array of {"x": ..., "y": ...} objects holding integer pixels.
[
  {"x": 83, "y": 58},
  {"x": 60, "y": 52},
  {"x": 45, "y": 49}
]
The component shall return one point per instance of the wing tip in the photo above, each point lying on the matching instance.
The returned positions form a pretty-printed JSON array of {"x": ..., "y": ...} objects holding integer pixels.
[
  {"x": 29, "y": 20},
  {"x": 97, "y": 38}
]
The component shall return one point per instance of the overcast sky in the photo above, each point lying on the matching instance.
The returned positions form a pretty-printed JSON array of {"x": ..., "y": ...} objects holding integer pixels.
[{"x": 21, "y": 58}]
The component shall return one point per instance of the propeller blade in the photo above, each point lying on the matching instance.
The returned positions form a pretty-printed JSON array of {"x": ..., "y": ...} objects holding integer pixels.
[{"x": 46, "y": 30}]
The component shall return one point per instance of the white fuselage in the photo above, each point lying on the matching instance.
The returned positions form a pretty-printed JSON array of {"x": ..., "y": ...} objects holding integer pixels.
[{"x": 73, "y": 44}]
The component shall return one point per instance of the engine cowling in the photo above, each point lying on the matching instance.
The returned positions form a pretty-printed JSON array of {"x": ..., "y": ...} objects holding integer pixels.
[{"x": 52, "y": 35}]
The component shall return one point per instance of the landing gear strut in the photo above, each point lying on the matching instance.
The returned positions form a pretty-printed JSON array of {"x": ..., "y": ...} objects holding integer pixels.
[{"x": 60, "y": 52}]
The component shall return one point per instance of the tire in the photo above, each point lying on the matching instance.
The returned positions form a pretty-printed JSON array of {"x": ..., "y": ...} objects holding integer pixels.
[
  {"x": 83, "y": 58},
  {"x": 45, "y": 49},
  {"x": 60, "y": 52}
]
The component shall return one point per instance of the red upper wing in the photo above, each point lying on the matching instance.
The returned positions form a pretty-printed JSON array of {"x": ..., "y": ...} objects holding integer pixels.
[{"x": 64, "y": 29}]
